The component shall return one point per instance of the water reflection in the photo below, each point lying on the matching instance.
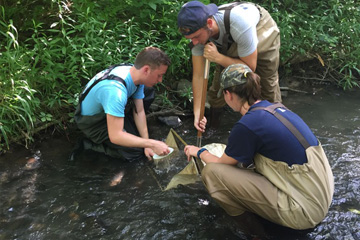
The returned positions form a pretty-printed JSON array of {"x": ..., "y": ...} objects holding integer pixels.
[{"x": 44, "y": 196}]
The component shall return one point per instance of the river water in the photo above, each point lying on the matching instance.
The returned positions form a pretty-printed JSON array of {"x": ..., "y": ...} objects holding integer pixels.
[{"x": 43, "y": 195}]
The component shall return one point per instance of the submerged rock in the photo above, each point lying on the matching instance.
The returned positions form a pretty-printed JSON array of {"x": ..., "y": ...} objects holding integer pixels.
[{"x": 172, "y": 121}]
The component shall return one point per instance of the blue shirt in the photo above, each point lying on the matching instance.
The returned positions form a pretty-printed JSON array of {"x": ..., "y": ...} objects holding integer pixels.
[
  {"x": 110, "y": 96},
  {"x": 261, "y": 132}
]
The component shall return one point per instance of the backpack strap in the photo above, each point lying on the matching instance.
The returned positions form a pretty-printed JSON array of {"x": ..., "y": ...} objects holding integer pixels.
[
  {"x": 104, "y": 76},
  {"x": 272, "y": 109}
]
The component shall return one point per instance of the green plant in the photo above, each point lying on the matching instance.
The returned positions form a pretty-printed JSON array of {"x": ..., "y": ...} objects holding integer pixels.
[
  {"x": 48, "y": 56},
  {"x": 17, "y": 97},
  {"x": 320, "y": 28},
  {"x": 45, "y": 117},
  {"x": 164, "y": 99}
]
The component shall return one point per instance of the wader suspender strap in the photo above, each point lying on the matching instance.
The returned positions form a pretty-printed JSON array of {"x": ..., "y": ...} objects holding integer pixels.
[
  {"x": 105, "y": 76},
  {"x": 227, "y": 35},
  {"x": 271, "y": 109}
]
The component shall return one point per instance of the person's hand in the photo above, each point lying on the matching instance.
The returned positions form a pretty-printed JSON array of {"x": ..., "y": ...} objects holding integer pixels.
[
  {"x": 191, "y": 151},
  {"x": 196, "y": 123},
  {"x": 211, "y": 52},
  {"x": 160, "y": 148},
  {"x": 200, "y": 125},
  {"x": 149, "y": 153}
]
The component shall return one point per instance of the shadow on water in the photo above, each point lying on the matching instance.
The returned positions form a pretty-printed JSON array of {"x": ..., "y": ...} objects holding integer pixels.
[{"x": 45, "y": 196}]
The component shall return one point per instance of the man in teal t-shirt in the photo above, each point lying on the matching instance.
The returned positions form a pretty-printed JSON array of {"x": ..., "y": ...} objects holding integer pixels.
[{"x": 111, "y": 111}]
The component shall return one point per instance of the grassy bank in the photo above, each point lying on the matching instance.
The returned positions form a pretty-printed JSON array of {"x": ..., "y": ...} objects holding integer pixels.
[{"x": 49, "y": 50}]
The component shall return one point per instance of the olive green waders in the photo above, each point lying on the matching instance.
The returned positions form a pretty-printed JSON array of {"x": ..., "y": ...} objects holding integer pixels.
[
  {"x": 95, "y": 127},
  {"x": 97, "y": 138}
]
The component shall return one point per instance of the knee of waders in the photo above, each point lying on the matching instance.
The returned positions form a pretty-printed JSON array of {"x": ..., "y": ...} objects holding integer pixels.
[
  {"x": 81, "y": 145},
  {"x": 208, "y": 173},
  {"x": 132, "y": 154}
]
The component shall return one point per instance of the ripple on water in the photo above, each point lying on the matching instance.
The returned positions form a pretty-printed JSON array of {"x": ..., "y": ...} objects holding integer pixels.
[{"x": 97, "y": 197}]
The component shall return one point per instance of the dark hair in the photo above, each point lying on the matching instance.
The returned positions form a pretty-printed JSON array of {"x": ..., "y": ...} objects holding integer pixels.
[
  {"x": 153, "y": 57},
  {"x": 249, "y": 91}
]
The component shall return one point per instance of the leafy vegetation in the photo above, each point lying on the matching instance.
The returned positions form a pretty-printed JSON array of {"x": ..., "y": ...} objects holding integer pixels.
[
  {"x": 49, "y": 50},
  {"x": 325, "y": 30}
]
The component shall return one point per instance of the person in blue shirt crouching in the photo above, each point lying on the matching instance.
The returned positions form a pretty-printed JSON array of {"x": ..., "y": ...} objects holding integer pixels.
[{"x": 273, "y": 165}]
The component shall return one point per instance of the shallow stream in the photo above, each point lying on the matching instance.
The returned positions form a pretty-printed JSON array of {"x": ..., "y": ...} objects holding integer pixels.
[{"x": 45, "y": 196}]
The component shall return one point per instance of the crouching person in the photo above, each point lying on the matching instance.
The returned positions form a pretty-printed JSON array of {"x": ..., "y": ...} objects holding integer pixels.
[
  {"x": 290, "y": 182},
  {"x": 111, "y": 111}
]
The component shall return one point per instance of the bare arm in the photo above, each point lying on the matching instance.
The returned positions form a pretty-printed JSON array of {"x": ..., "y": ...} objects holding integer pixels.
[
  {"x": 140, "y": 118},
  {"x": 211, "y": 53},
  {"x": 119, "y": 137},
  {"x": 207, "y": 157},
  {"x": 197, "y": 83},
  {"x": 141, "y": 124}
]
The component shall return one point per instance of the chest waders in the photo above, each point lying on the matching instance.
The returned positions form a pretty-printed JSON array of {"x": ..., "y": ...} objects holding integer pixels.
[
  {"x": 95, "y": 127},
  {"x": 268, "y": 56},
  {"x": 306, "y": 188},
  {"x": 296, "y": 196}
]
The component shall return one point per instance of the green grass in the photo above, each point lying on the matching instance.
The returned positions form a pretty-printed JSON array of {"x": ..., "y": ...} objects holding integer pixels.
[{"x": 46, "y": 57}]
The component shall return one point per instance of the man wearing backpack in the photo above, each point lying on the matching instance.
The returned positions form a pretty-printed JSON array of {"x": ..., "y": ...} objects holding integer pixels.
[
  {"x": 239, "y": 32},
  {"x": 111, "y": 111}
]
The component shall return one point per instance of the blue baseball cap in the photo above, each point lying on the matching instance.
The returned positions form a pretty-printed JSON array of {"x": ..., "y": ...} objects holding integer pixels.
[{"x": 193, "y": 16}]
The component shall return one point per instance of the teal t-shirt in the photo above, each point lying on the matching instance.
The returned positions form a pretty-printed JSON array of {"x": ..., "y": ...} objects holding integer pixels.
[{"x": 110, "y": 96}]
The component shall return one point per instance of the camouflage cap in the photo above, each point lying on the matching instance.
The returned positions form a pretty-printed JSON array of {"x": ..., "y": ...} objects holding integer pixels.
[{"x": 233, "y": 75}]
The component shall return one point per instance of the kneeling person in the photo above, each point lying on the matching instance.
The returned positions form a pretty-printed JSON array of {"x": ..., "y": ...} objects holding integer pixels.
[
  {"x": 291, "y": 183},
  {"x": 102, "y": 113}
]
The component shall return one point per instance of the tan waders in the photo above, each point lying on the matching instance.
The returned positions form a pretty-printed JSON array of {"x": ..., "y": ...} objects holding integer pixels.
[
  {"x": 296, "y": 196},
  {"x": 267, "y": 62}
]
